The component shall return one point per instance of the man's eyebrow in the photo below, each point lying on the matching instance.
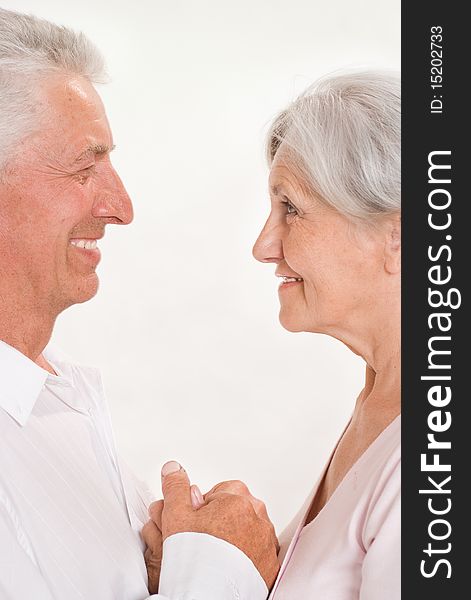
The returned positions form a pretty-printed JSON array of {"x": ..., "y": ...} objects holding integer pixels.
[{"x": 96, "y": 149}]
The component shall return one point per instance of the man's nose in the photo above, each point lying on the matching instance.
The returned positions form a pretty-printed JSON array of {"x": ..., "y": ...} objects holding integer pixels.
[
  {"x": 269, "y": 247},
  {"x": 112, "y": 202}
]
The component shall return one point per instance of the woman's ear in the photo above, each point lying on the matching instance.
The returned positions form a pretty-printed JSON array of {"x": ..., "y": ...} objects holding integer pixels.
[{"x": 392, "y": 248}]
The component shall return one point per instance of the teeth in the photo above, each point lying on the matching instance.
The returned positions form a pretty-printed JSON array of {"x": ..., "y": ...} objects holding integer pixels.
[
  {"x": 85, "y": 244},
  {"x": 291, "y": 279}
]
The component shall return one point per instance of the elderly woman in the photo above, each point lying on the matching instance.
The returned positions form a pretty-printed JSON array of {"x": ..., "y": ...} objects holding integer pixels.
[{"x": 334, "y": 234}]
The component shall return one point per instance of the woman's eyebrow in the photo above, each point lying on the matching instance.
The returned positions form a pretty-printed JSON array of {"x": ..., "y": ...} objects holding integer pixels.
[{"x": 280, "y": 190}]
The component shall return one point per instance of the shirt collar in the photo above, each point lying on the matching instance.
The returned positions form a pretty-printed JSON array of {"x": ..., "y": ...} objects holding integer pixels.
[{"x": 22, "y": 380}]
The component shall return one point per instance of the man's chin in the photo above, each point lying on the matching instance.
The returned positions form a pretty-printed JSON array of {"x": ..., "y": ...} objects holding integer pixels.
[{"x": 86, "y": 290}]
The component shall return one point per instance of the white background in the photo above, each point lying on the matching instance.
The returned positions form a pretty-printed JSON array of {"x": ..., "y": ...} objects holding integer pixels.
[{"x": 185, "y": 327}]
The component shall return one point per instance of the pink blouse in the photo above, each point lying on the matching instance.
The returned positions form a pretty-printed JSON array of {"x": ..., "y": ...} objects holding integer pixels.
[{"x": 351, "y": 550}]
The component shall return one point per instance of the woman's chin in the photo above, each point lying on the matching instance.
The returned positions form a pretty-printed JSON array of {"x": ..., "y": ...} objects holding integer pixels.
[
  {"x": 296, "y": 323},
  {"x": 290, "y": 322}
]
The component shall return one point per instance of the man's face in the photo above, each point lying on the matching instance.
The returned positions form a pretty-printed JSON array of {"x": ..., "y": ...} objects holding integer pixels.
[{"x": 60, "y": 192}]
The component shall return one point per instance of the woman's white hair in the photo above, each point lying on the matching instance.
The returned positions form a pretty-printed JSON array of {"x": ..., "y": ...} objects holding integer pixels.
[
  {"x": 343, "y": 136},
  {"x": 31, "y": 49}
]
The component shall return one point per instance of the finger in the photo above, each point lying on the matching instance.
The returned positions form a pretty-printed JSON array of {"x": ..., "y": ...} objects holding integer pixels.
[
  {"x": 151, "y": 535},
  {"x": 260, "y": 509},
  {"x": 197, "y": 499},
  {"x": 233, "y": 486},
  {"x": 153, "y": 560},
  {"x": 176, "y": 488},
  {"x": 153, "y": 566},
  {"x": 258, "y": 506},
  {"x": 221, "y": 495},
  {"x": 274, "y": 537},
  {"x": 232, "y": 504},
  {"x": 240, "y": 488},
  {"x": 155, "y": 512}
]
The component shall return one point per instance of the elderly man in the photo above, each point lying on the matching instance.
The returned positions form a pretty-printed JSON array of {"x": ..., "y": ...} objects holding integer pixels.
[{"x": 70, "y": 513}]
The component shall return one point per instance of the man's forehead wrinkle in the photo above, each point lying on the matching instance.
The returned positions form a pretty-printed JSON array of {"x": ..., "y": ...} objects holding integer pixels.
[
  {"x": 63, "y": 160},
  {"x": 41, "y": 156}
]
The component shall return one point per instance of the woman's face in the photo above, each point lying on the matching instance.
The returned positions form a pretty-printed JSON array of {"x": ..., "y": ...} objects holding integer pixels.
[{"x": 334, "y": 269}]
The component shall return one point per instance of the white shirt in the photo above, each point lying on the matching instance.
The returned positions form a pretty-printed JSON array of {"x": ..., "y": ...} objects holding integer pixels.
[{"x": 71, "y": 513}]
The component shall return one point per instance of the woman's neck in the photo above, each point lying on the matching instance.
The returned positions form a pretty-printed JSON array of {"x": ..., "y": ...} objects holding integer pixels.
[
  {"x": 380, "y": 400},
  {"x": 381, "y": 395}
]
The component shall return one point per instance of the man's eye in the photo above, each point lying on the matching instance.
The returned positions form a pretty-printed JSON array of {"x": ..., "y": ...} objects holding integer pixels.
[{"x": 84, "y": 174}]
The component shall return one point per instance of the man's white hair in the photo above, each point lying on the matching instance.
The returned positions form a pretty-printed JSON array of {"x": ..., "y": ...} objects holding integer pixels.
[
  {"x": 31, "y": 49},
  {"x": 343, "y": 135}
]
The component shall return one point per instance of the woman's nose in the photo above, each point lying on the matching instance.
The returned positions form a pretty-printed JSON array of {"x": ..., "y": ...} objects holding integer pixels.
[{"x": 268, "y": 248}]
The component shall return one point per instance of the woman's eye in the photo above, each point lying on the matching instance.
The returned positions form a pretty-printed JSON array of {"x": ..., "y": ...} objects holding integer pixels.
[{"x": 290, "y": 209}]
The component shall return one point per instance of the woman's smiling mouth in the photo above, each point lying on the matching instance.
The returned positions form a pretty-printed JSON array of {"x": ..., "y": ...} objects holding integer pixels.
[{"x": 288, "y": 281}]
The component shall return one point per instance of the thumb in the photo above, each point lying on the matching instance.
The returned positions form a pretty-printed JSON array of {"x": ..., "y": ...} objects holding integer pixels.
[{"x": 176, "y": 488}]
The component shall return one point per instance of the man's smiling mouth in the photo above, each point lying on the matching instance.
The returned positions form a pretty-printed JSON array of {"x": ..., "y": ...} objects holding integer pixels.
[{"x": 86, "y": 244}]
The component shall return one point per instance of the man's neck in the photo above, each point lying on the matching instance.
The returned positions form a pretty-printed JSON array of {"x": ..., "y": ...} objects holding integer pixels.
[{"x": 26, "y": 331}]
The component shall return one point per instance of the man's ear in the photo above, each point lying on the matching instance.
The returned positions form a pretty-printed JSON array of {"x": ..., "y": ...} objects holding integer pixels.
[{"x": 392, "y": 247}]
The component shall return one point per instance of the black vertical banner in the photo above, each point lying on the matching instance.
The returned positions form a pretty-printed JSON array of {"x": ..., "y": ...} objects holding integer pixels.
[{"x": 436, "y": 550}]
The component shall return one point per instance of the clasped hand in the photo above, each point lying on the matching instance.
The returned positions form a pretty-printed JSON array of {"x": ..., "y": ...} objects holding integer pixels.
[{"x": 228, "y": 511}]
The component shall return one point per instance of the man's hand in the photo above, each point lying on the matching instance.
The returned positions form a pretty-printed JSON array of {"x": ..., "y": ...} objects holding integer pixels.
[
  {"x": 229, "y": 512},
  {"x": 152, "y": 535}
]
